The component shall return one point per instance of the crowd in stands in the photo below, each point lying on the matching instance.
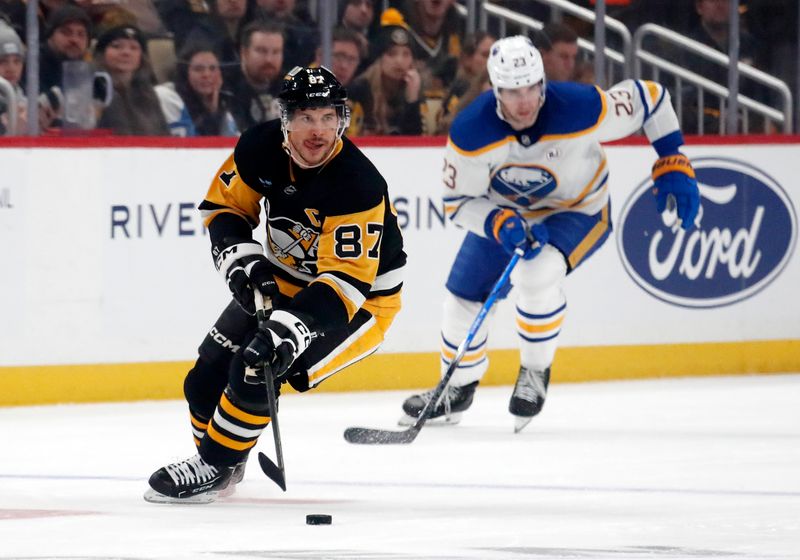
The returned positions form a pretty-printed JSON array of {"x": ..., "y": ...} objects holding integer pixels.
[{"x": 213, "y": 67}]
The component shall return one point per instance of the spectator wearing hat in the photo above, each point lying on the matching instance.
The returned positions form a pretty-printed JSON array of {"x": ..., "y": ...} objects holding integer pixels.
[
  {"x": 66, "y": 37},
  {"x": 135, "y": 109},
  {"x": 386, "y": 98},
  {"x": 12, "y": 58}
]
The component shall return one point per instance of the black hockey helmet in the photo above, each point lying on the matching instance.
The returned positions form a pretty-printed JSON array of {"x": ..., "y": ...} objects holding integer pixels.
[{"x": 304, "y": 88}]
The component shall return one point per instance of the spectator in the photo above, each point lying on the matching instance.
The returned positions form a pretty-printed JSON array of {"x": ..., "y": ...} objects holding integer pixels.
[
  {"x": 66, "y": 38},
  {"x": 711, "y": 29},
  {"x": 142, "y": 14},
  {"x": 220, "y": 30},
  {"x": 559, "y": 48},
  {"x": 437, "y": 33},
  {"x": 255, "y": 83},
  {"x": 12, "y": 59},
  {"x": 359, "y": 16},
  {"x": 346, "y": 54},
  {"x": 713, "y": 25},
  {"x": 471, "y": 68},
  {"x": 13, "y": 11},
  {"x": 386, "y": 98},
  {"x": 199, "y": 84},
  {"x": 135, "y": 109},
  {"x": 181, "y": 17},
  {"x": 300, "y": 38}
]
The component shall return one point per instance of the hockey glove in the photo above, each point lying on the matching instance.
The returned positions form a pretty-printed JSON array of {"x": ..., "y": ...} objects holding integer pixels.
[
  {"x": 244, "y": 266},
  {"x": 511, "y": 230},
  {"x": 276, "y": 344},
  {"x": 673, "y": 176}
]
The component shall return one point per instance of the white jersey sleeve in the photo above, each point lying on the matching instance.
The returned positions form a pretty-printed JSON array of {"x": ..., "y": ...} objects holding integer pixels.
[{"x": 635, "y": 104}]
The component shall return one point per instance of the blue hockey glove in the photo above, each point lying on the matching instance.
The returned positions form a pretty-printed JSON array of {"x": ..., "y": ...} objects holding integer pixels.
[
  {"x": 511, "y": 230},
  {"x": 673, "y": 175},
  {"x": 276, "y": 345},
  {"x": 244, "y": 266}
]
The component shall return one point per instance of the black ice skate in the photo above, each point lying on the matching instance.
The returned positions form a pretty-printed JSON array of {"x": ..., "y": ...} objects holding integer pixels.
[
  {"x": 453, "y": 402},
  {"x": 528, "y": 397},
  {"x": 191, "y": 481}
]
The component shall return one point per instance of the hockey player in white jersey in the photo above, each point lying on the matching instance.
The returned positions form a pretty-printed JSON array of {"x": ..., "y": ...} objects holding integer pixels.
[{"x": 524, "y": 167}]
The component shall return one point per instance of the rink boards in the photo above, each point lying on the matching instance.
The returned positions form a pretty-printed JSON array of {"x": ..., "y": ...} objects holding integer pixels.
[{"x": 107, "y": 285}]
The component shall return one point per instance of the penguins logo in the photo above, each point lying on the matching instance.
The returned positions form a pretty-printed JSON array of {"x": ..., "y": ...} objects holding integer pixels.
[{"x": 293, "y": 244}]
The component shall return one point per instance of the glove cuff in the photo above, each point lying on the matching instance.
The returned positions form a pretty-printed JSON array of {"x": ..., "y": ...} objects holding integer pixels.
[
  {"x": 298, "y": 329},
  {"x": 495, "y": 220},
  {"x": 224, "y": 259},
  {"x": 668, "y": 164}
]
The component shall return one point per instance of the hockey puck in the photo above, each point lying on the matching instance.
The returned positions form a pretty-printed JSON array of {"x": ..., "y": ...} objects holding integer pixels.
[{"x": 319, "y": 519}]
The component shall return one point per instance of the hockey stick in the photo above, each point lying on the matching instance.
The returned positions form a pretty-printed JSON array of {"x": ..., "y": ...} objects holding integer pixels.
[
  {"x": 372, "y": 435},
  {"x": 275, "y": 472}
]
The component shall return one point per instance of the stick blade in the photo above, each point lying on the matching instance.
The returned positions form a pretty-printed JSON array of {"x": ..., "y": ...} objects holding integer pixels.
[
  {"x": 272, "y": 471},
  {"x": 371, "y": 436}
]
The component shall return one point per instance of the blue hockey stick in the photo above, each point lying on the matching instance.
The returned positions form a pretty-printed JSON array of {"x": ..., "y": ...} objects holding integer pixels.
[{"x": 373, "y": 435}]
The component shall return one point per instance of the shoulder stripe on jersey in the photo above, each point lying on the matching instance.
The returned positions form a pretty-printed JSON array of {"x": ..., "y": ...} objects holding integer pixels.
[
  {"x": 600, "y": 117},
  {"x": 660, "y": 101},
  {"x": 652, "y": 89},
  {"x": 645, "y": 104},
  {"x": 482, "y": 150}
]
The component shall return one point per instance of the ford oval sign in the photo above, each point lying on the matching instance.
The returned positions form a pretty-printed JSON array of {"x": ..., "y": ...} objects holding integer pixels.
[{"x": 745, "y": 235}]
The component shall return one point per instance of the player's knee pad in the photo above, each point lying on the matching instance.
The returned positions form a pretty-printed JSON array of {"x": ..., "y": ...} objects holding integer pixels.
[{"x": 542, "y": 275}]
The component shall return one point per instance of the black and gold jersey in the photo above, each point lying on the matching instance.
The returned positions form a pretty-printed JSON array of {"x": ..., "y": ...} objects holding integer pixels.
[{"x": 332, "y": 234}]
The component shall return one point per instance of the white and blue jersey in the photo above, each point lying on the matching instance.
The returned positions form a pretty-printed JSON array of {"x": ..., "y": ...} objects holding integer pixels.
[{"x": 558, "y": 164}]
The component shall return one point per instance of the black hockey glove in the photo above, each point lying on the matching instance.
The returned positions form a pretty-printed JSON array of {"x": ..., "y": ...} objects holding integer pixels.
[
  {"x": 244, "y": 266},
  {"x": 276, "y": 344}
]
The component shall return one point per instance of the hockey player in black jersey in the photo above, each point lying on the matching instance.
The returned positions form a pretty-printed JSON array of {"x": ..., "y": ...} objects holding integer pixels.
[{"x": 332, "y": 266}]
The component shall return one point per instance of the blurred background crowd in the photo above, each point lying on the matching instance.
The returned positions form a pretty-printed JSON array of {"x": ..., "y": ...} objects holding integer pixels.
[{"x": 214, "y": 67}]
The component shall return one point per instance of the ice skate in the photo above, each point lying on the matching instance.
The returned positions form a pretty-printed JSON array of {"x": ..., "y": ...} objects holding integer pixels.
[
  {"x": 191, "y": 481},
  {"x": 453, "y": 402},
  {"x": 528, "y": 397},
  {"x": 236, "y": 478}
]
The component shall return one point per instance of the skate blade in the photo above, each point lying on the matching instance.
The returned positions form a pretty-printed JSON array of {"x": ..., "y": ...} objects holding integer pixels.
[
  {"x": 157, "y": 498},
  {"x": 520, "y": 422},
  {"x": 454, "y": 418}
]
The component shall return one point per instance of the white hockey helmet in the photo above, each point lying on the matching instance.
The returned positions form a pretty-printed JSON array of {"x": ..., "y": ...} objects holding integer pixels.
[{"x": 514, "y": 63}]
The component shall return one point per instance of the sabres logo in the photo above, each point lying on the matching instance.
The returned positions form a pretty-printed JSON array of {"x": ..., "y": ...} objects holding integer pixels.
[
  {"x": 523, "y": 185},
  {"x": 294, "y": 244}
]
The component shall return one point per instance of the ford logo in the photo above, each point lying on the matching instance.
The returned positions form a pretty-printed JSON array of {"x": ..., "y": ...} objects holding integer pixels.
[
  {"x": 523, "y": 184},
  {"x": 745, "y": 235}
]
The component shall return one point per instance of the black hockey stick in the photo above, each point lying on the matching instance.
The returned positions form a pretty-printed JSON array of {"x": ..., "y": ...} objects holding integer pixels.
[
  {"x": 377, "y": 436},
  {"x": 275, "y": 472}
]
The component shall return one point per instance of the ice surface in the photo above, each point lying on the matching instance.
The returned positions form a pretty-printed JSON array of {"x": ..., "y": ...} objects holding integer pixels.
[{"x": 663, "y": 469}]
